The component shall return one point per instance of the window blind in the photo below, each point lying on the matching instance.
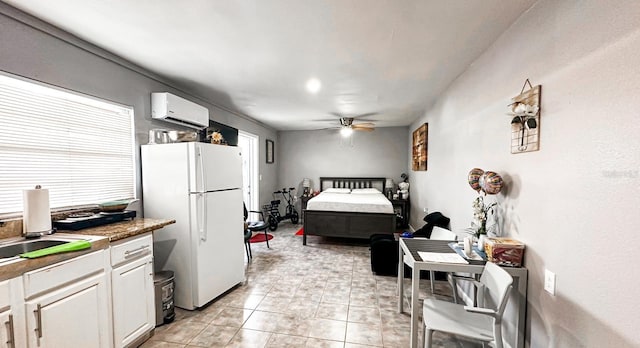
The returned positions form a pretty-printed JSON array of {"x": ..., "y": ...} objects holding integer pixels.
[{"x": 78, "y": 147}]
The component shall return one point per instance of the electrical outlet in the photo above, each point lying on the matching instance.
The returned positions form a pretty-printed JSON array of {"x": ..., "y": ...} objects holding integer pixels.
[{"x": 550, "y": 282}]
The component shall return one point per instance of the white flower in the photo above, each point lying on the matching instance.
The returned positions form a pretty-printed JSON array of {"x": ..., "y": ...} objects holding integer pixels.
[
  {"x": 522, "y": 109},
  {"x": 480, "y": 215}
]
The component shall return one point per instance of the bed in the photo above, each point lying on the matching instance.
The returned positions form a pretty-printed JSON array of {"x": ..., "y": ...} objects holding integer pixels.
[{"x": 358, "y": 211}]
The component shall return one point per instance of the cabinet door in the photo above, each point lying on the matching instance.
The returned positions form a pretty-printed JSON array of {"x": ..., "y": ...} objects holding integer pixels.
[
  {"x": 7, "y": 331},
  {"x": 73, "y": 316},
  {"x": 133, "y": 300},
  {"x": 12, "y": 330}
]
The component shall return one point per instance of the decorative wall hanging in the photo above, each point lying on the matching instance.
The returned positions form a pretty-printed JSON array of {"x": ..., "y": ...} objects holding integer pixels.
[
  {"x": 420, "y": 142},
  {"x": 525, "y": 121},
  {"x": 270, "y": 151}
]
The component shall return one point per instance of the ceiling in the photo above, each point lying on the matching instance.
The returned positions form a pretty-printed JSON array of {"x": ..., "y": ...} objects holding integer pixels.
[{"x": 390, "y": 58}]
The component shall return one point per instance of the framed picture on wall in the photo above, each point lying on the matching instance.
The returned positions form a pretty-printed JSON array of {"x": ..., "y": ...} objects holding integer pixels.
[
  {"x": 419, "y": 148},
  {"x": 270, "y": 155}
]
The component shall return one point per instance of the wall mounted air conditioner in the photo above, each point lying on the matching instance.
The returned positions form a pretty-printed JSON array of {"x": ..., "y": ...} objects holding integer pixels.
[{"x": 171, "y": 108}]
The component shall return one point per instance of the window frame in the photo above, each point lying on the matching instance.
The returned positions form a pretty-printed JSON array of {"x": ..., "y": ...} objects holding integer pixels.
[{"x": 87, "y": 101}]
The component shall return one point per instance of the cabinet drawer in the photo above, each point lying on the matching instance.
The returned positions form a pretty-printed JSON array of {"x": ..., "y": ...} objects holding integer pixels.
[
  {"x": 61, "y": 273},
  {"x": 131, "y": 248}
]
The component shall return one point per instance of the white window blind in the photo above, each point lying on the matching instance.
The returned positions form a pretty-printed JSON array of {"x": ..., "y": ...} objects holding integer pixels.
[{"x": 78, "y": 147}]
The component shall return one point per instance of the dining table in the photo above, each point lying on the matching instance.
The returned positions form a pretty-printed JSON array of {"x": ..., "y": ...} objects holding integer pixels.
[{"x": 513, "y": 326}]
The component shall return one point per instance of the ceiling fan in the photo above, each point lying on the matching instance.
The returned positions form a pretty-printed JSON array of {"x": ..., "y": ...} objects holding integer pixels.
[
  {"x": 350, "y": 124},
  {"x": 347, "y": 126}
]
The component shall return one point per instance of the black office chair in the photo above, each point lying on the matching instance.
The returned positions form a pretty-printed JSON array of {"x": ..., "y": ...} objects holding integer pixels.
[
  {"x": 256, "y": 226},
  {"x": 247, "y": 239}
]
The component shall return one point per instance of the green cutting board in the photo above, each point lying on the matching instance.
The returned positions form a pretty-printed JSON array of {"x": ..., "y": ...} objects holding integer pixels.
[{"x": 62, "y": 248}]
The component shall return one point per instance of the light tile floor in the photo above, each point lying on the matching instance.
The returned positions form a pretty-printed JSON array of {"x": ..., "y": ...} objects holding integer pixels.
[{"x": 320, "y": 295}]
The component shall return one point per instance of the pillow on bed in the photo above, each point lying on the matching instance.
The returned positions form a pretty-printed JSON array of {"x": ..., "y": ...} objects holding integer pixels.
[
  {"x": 365, "y": 191},
  {"x": 337, "y": 190}
]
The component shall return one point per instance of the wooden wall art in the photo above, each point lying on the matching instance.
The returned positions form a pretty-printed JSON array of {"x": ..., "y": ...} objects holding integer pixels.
[
  {"x": 525, "y": 121},
  {"x": 420, "y": 142}
]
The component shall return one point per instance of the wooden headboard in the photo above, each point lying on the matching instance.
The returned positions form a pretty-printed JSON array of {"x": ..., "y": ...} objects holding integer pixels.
[{"x": 352, "y": 183}]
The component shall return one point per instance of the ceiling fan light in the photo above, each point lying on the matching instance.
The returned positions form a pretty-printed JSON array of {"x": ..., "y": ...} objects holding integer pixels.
[{"x": 346, "y": 131}]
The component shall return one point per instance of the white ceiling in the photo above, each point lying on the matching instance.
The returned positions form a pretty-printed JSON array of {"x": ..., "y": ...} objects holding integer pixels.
[{"x": 392, "y": 58}]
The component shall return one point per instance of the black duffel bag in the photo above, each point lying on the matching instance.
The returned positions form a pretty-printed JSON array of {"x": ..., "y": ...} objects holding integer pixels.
[{"x": 432, "y": 219}]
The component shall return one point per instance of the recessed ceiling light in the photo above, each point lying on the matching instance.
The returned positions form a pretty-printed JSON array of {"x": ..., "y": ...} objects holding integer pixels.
[{"x": 313, "y": 85}]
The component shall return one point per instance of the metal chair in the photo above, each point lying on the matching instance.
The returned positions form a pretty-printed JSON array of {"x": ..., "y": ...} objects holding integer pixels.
[
  {"x": 247, "y": 239},
  {"x": 256, "y": 226},
  {"x": 439, "y": 233},
  {"x": 482, "y": 322}
]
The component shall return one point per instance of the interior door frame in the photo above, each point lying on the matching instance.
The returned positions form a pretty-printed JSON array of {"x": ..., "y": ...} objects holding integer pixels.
[{"x": 251, "y": 155}]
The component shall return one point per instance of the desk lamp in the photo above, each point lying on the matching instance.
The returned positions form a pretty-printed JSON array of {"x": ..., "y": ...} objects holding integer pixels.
[
  {"x": 306, "y": 184},
  {"x": 389, "y": 188}
]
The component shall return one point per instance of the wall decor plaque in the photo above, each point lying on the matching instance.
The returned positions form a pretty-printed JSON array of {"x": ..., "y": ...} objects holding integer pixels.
[
  {"x": 419, "y": 149},
  {"x": 525, "y": 121}
]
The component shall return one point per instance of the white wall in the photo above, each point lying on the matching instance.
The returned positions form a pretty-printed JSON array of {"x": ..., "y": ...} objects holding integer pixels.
[
  {"x": 574, "y": 203},
  {"x": 38, "y": 53},
  {"x": 312, "y": 154}
]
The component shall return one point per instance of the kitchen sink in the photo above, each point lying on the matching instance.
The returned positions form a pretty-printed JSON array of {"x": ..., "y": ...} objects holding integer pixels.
[{"x": 24, "y": 246}]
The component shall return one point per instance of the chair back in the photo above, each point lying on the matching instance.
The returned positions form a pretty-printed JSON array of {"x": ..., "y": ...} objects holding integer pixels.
[
  {"x": 246, "y": 213},
  {"x": 497, "y": 285},
  {"x": 439, "y": 233}
]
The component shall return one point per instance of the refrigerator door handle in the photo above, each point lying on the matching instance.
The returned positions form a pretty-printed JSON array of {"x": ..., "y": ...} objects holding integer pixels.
[
  {"x": 203, "y": 212},
  {"x": 203, "y": 217},
  {"x": 201, "y": 163}
]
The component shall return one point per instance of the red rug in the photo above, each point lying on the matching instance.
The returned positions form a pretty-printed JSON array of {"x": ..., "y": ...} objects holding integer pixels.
[
  {"x": 260, "y": 238},
  {"x": 300, "y": 232}
]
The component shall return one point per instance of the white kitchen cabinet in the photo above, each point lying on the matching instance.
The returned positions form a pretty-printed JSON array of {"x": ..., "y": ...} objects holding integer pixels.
[
  {"x": 12, "y": 331},
  {"x": 67, "y": 303},
  {"x": 132, "y": 293}
]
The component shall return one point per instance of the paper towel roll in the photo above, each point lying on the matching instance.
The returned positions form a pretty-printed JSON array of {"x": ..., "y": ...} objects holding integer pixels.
[{"x": 37, "y": 215}]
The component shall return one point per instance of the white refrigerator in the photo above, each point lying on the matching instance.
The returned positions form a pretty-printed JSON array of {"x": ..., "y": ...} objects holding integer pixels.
[{"x": 200, "y": 186}]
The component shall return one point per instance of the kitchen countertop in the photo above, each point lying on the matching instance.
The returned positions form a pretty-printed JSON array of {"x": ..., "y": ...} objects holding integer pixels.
[
  {"x": 124, "y": 229},
  {"x": 100, "y": 237}
]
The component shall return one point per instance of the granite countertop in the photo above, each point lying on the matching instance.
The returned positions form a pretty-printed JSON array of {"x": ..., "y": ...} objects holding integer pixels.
[
  {"x": 100, "y": 237},
  {"x": 124, "y": 229}
]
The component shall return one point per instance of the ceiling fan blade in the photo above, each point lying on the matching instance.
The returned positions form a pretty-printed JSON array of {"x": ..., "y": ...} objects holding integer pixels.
[
  {"x": 358, "y": 128},
  {"x": 365, "y": 115},
  {"x": 325, "y": 120},
  {"x": 354, "y": 117},
  {"x": 365, "y": 124}
]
